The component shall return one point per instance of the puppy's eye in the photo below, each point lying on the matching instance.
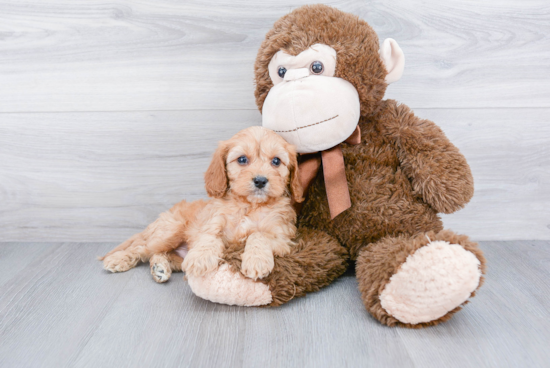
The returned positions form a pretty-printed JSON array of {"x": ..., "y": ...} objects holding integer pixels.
[
  {"x": 276, "y": 161},
  {"x": 281, "y": 71},
  {"x": 243, "y": 160},
  {"x": 316, "y": 67}
]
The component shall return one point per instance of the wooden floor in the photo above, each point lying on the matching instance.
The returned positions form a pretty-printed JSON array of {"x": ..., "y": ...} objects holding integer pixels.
[{"x": 59, "y": 308}]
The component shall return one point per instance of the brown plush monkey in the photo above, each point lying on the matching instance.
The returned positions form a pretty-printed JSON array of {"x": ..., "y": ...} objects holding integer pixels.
[{"x": 320, "y": 80}]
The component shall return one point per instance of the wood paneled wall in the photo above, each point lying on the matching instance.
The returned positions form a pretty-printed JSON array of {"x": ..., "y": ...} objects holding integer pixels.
[{"x": 110, "y": 110}]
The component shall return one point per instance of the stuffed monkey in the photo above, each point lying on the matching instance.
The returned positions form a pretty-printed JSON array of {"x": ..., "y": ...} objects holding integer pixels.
[{"x": 376, "y": 177}]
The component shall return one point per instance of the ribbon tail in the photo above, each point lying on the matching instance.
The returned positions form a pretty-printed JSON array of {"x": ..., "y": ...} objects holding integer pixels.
[
  {"x": 355, "y": 137},
  {"x": 336, "y": 183},
  {"x": 308, "y": 166}
]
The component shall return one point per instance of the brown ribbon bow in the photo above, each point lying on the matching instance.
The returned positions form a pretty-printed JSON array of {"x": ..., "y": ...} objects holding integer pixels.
[{"x": 334, "y": 173}]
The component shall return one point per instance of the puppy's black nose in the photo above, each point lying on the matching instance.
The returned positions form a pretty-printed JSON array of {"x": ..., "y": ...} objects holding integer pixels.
[{"x": 260, "y": 181}]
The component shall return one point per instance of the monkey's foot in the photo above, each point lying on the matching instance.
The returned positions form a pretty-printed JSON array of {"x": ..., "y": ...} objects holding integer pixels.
[
  {"x": 419, "y": 281},
  {"x": 433, "y": 281},
  {"x": 227, "y": 287}
]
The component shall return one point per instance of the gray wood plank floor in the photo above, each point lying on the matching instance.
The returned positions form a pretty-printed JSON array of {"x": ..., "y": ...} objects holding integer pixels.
[{"x": 58, "y": 308}]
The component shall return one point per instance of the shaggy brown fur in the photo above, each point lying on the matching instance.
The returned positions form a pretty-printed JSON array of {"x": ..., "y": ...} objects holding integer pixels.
[
  {"x": 315, "y": 261},
  {"x": 354, "y": 41},
  {"x": 404, "y": 172}
]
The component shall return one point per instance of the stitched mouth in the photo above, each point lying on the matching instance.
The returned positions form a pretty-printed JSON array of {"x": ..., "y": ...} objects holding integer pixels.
[{"x": 306, "y": 126}]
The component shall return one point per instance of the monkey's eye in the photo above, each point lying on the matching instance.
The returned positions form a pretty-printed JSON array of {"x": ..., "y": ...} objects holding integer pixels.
[
  {"x": 281, "y": 71},
  {"x": 276, "y": 161},
  {"x": 316, "y": 67},
  {"x": 243, "y": 160}
]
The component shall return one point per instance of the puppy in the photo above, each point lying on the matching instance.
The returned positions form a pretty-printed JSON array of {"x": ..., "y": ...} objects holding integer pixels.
[{"x": 252, "y": 178}]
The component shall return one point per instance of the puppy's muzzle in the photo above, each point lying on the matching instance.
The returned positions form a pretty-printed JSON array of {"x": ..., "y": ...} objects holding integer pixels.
[{"x": 260, "y": 182}]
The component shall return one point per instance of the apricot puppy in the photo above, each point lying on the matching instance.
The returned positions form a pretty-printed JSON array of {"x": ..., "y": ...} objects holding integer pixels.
[{"x": 251, "y": 179}]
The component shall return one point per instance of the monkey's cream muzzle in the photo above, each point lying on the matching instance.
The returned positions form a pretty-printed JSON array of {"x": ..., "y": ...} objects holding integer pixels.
[
  {"x": 315, "y": 111},
  {"x": 312, "y": 112}
]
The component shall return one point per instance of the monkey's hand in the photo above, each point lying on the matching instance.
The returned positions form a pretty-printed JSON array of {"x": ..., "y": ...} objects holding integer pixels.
[{"x": 436, "y": 168}]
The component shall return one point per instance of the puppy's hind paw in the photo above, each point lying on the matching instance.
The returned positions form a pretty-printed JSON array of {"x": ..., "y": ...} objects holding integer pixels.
[
  {"x": 120, "y": 261},
  {"x": 161, "y": 273}
]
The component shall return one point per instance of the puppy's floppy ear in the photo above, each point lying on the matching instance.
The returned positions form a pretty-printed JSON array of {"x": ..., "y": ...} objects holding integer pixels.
[
  {"x": 296, "y": 189},
  {"x": 215, "y": 177}
]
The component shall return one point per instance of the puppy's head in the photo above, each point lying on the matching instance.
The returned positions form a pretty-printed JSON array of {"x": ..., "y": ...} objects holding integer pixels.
[{"x": 255, "y": 164}]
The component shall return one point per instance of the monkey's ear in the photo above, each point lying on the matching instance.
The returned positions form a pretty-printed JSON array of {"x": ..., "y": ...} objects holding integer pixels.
[
  {"x": 215, "y": 177},
  {"x": 393, "y": 59}
]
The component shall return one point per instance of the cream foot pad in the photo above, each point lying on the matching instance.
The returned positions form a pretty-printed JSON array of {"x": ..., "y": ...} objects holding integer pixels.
[
  {"x": 232, "y": 288},
  {"x": 434, "y": 280}
]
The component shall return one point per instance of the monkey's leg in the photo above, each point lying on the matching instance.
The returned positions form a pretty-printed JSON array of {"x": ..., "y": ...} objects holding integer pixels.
[
  {"x": 163, "y": 264},
  {"x": 313, "y": 263},
  {"x": 419, "y": 281}
]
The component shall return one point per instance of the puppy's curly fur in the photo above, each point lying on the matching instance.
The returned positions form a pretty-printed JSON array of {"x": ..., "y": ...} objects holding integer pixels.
[{"x": 251, "y": 179}]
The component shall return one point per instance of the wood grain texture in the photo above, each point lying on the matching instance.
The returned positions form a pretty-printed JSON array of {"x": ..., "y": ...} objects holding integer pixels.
[
  {"x": 14, "y": 257},
  {"x": 64, "y": 310},
  {"x": 60, "y": 55},
  {"x": 52, "y": 307},
  {"x": 102, "y": 176},
  {"x": 109, "y": 111},
  {"x": 509, "y": 153},
  {"x": 105, "y": 176}
]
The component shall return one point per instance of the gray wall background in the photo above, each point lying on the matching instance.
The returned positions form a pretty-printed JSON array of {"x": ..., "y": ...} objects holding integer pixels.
[{"x": 110, "y": 110}]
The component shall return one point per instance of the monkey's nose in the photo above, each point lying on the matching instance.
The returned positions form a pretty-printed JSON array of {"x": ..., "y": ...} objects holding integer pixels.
[
  {"x": 260, "y": 181},
  {"x": 294, "y": 74}
]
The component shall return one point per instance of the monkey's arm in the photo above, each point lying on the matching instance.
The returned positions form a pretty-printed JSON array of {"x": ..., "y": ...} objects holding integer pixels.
[{"x": 435, "y": 167}]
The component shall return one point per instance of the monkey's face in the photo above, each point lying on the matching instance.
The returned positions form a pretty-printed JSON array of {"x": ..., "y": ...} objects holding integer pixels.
[{"x": 308, "y": 106}]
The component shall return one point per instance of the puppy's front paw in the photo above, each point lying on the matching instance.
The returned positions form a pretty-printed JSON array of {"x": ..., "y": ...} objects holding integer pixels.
[
  {"x": 120, "y": 261},
  {"x": 199, "y": 262},
  {"x": 257, "y": 265},
  {"x": 281, "y": 248}
]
